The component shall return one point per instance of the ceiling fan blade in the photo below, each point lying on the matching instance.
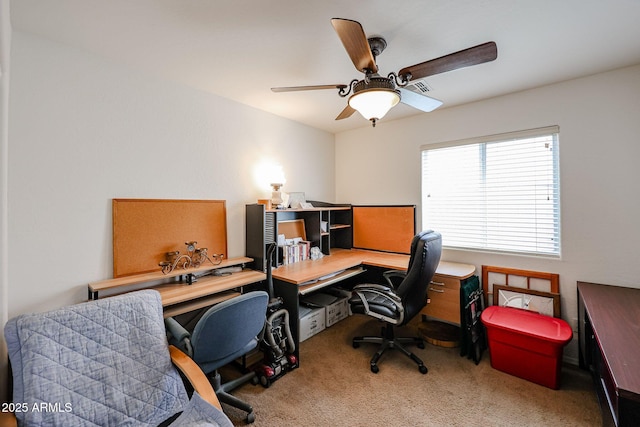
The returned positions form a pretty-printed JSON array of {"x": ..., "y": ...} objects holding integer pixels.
[
  {"x": 316, "y": 87},
  {"x": 485, "y": 52},
  {"x": 419, "y": 101},
  {"x": 347, "y": 112},
  {"x": 356, "y": 44}
]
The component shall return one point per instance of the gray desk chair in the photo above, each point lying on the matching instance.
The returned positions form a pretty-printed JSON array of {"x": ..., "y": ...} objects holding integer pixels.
[
  {"x": 104, "y": 363},
  {"x": 224, "y": 333},
  {"x": 397, "y": 305}
]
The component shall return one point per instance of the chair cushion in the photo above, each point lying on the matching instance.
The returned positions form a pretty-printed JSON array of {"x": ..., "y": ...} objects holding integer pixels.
[{"x": 104, "y": 362}]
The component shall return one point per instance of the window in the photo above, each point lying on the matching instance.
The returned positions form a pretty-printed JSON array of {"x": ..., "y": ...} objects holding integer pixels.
[{"x": 498, "y": 193}]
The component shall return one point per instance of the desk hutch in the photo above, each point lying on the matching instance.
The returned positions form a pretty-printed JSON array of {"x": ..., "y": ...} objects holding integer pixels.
[{"x": 326, "y": 226}]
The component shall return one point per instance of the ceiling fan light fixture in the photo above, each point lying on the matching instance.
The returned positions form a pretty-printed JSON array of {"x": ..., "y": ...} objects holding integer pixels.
[
  {"x": 375, "y": 98},
  {"x": 374, "y": 95}
]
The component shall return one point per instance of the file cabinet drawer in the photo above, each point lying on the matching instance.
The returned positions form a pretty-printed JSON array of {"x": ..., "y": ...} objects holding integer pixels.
[{"x": 444, "y": 295}]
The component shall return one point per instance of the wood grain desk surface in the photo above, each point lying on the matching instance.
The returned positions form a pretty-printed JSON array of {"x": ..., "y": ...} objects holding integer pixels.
[
  {"x": 613, "y": 311},
  {"x": 181, "y": 297},
  {"x": 175, "y": 293},
  {"x": 159, "y": 275},
  {"x": 342, "y": 259}
]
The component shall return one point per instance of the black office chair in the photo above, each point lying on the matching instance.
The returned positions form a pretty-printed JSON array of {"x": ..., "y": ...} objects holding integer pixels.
[
  {"x": 397, "y": 305},
  {"x": 225, "y": 332}
]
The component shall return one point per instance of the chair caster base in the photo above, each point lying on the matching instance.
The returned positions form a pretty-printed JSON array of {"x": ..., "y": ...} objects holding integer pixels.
[
  {"x": 389, "y": 341},
  {"x": 251, "y": 417}
]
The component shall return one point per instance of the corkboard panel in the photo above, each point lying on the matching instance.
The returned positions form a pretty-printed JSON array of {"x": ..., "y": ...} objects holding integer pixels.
[
  {"x": 145, "y": 229},
  {"x": 292, "y": 228},
  {"x": 384, "y": 228}
]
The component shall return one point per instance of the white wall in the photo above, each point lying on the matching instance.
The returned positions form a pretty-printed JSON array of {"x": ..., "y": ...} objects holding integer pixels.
[
  {"x": 600, "y": 177},
  {"x": 84, "y": 131},
  {"x": 5, "y": 59}
]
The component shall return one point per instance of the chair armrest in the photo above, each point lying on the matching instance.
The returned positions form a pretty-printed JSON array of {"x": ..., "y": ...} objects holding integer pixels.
[
  {"x": 389, "y": 275},
  {"x": 194, "y": 374},
  {"x": 385, "y": 292},
  {"x": 381, "y": 290},
  {"x": 372, "y": 286},
  {"x": 178, "y": 331},
  {"x": 8, "y": 419},
  {"x": 179, "y": 336}
]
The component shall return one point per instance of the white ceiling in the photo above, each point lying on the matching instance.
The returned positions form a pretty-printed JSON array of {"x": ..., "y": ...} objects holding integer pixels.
[{"x": 240, "y": 49}]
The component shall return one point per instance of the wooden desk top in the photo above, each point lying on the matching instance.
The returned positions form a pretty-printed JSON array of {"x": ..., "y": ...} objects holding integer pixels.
[
  {"x": 613, "y": 311},
  {"x": 159, "y": 275},
  {"x": 180, "y": 297},
  {"x": 455, "y": 270},
  {"x": 175, "y": 293},
  {"x": 308, "y": 270},
  {"x": 341, "y": 259},
  {"x": 388, "y": 260}
]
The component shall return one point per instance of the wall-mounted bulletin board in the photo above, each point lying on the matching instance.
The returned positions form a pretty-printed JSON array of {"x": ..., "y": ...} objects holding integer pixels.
[
  {"x": 144, "y": 230},
  {"x": 384, "y": 228}
]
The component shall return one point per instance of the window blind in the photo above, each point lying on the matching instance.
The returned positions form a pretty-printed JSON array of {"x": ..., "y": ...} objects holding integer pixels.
[{"x": 498, "y": 193}]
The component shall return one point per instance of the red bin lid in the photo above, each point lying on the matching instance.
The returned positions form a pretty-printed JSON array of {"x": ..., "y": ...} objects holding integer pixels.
[{"x": 527, "y": 323}]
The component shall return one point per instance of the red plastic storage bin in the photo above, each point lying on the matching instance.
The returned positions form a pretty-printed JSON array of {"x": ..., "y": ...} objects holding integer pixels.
[{"x": 526, "y": 344}]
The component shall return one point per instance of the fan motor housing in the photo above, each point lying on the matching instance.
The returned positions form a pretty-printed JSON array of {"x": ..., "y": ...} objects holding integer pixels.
[
  {"x": 374, "y": 83},
  {"x": 377, "y": 45}
]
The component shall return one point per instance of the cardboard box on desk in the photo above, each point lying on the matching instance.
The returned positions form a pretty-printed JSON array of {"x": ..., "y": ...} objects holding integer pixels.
[{"x": 312, "y": 321}]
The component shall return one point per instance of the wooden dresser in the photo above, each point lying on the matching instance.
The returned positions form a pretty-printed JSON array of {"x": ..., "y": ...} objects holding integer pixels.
[{"x": 609, "y": 335}]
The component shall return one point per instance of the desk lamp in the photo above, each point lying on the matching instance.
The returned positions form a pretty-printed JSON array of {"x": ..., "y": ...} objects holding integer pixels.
[{"x": 276, "y": 195}]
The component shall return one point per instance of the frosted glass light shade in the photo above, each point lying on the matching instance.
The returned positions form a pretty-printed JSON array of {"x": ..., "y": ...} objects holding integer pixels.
[{"x": 373, "y": 104}]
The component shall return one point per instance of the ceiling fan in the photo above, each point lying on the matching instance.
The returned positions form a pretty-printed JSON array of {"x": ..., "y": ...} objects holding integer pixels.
[{"x": 375, "y": 95}]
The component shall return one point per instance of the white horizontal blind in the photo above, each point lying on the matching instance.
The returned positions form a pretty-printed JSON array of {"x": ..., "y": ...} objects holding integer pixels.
[{"x": 500, "y": 194}]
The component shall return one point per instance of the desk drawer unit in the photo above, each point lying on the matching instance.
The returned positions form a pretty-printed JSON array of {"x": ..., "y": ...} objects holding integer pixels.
[{"x": 444, "y": 295}]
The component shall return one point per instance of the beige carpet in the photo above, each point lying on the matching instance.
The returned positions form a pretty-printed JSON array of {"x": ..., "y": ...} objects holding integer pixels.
[{"x": 334, "y": 387}]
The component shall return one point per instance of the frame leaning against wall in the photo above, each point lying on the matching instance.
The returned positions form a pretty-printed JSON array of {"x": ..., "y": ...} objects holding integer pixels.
[{"x": 523, "y": 284}]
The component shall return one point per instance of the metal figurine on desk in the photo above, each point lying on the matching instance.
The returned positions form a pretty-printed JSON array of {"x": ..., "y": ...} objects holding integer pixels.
[{"x": 192, "y": 259}]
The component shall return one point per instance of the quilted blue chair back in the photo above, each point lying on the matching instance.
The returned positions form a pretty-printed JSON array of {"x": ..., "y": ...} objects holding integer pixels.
[
  {"x": 102, "y": 363},
  {"x": 229, "y": 330}
]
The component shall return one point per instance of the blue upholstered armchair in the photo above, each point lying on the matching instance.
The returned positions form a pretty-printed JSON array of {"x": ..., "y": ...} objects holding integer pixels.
[{"x": 105, "y": 362}]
